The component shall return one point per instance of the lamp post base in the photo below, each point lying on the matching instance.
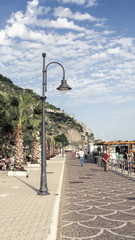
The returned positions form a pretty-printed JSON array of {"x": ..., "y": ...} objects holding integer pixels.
[{"x": 43, "y": 193}]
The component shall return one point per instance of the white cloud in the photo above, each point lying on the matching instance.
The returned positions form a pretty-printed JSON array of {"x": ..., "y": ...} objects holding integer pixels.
[
  {"x": 107, "y": 32},
  {"x": 18, "y": 22},
  {"x": 88, "y": 3},
  {"x": 64, "y": 23},
  {"x": 67, "y": 13},
  {"x": 114, "y": 50},
  {"x": 3, "y": 38},
  {"x": 99, "y": 75},
  {"x": 99, "y": 64},
  {"x": 16, "y": 30}
]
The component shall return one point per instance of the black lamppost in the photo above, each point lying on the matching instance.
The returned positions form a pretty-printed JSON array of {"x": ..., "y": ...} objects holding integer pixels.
[
  {"x": 63, "y": 88},
  {"x": 87, "y": 134},
  {"x": 63, "y": 144}
]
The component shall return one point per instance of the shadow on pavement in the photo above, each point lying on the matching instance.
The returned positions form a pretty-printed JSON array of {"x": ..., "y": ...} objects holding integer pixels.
[
  {"x": 27, "y": 184},
  {"x": 131, "y": 198},
  {"x": 96, "y": 170},
  {"x": 74, "y": 182},
  {"x": 75, "y": 165}
]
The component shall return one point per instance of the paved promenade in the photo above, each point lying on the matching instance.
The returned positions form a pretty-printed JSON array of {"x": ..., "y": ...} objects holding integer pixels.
[
  {"x": 24, "y": 215},
  {"x": 96, "y": 205}
]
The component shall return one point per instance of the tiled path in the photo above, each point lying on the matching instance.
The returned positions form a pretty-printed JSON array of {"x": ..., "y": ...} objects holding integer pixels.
[
  {"x": 96, "y": 205},
  {"x": 24, "y": 215}
]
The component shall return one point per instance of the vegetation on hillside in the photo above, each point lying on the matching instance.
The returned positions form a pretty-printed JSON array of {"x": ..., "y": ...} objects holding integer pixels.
[{"x": 25, "y": 106}]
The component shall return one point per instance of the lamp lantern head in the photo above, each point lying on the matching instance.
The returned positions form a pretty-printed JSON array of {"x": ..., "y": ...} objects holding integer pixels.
[{"x": 64, "y": 86}]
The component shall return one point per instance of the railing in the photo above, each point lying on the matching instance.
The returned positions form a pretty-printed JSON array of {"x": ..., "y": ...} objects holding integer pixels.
[{"x": 123, "y": 165}]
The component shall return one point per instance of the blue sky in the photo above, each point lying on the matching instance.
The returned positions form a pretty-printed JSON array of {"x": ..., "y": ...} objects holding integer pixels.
[{"x": 95, "y": 42}]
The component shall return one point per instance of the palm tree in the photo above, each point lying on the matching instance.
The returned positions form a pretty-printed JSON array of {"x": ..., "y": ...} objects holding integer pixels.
[
  {"x": 35, "y": 144},
  {"x": 52, "y": 147},
  {"x": 23, "y": 108},
  {"x": 35, "y": 149},
  {"x": 58, "y": 147},
  {"x": 47, "y": 149},
  {"x": 19, "y": 160}
]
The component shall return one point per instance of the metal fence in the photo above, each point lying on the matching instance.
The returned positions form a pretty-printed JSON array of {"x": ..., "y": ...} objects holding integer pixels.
[{"x": 123, "y": 165}]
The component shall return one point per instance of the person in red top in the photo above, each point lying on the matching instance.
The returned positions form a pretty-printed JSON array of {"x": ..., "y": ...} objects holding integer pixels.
[{"x": 105, "y": 159}]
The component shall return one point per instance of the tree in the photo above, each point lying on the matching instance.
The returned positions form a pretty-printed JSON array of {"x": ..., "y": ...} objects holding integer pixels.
[
  {"x": 47, "y": 148},
  {"x": 6, "y": 126},
  {"x": 24, "y": 110},
  {"x": 62, "y": 139},
  {"x": 24, "y": 107},
  {"x": 58, "y": 147},
  {"x": 35, "y": 149},
  {"x": 52, "y": 147},
  {"x": 91, "y": 136},
  {"x": 6, "y": 145},
  {"x": 19, "y": 160}
]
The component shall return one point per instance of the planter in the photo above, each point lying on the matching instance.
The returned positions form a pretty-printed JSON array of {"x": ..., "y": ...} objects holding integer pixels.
[
  {"x": 36, "y": 165},
  {"x": 18, "y": 173}
]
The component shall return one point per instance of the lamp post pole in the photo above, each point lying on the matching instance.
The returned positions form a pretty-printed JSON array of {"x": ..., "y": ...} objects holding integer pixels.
[
  {"x": 62, "y": 148},
  {"x": 43, "y": 182},
  {"x": 63, "y": 88},
  {"x": 88, "y": 148},
  {"x": 88, "y": 145}
]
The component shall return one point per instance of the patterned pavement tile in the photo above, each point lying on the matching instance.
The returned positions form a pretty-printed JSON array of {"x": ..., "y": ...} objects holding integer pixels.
[
  {"x": 128, "y": 229},
  {"x": 75, "y": 229},
  {"x": 121, "y": 215},
  {"x": 101, "y": 222},
  {"x": 95, "y": 205},
  {"x": 110, "y": 236},
  {"x": 113, "y": 206},
  {"x": 75, "y": 216},
  {"x": 75, "y": 206}
]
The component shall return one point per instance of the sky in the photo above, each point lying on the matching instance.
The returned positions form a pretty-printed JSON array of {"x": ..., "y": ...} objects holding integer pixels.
[{"x": 94, "y": 40}]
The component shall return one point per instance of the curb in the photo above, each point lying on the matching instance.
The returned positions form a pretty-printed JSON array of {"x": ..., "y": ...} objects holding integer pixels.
[{"x": 53, "y": 228}]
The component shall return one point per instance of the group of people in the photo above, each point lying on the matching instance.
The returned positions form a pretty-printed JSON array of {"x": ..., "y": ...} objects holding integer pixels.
[{"x": 81, "y": 156}]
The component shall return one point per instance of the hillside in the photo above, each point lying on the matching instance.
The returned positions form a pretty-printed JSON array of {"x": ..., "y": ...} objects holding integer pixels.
[{"x": 17, "y": 103}]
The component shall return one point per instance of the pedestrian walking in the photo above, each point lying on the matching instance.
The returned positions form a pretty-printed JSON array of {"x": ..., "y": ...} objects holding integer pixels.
[
  {"x": 105, "y": 160},
  {"x": 81, "y": 156}
]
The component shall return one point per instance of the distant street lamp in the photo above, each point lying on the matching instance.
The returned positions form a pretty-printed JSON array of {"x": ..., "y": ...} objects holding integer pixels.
[
  {"x": 87, "y": 134},
  {"x": 63, "y": 88},
  {"x": 63, "y": 144}
]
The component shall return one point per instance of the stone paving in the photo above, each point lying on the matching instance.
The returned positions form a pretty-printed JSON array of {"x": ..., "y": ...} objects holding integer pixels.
[
  {"x": 96, "y": 205},
  {"x": 24, "y": 215}
]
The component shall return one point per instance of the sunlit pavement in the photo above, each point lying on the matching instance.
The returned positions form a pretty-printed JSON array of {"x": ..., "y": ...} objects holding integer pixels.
[
  {"x": 24, "y": 215},
  {"x": 96, "y": 205}
]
